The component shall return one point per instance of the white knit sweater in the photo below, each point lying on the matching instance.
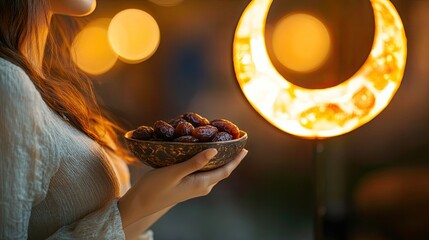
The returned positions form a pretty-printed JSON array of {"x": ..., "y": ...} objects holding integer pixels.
[{"x": 55, "y": 182}]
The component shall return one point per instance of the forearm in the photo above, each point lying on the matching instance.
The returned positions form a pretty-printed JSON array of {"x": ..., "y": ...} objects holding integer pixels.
[{"x": 134, "y": 230}]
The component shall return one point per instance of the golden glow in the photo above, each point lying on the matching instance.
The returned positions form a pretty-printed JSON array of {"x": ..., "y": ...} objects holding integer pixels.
[
  {"x": 91, "y": 50},
  {"x": 320, "y": 113},
  {"x": 166, "y": 3},
  {"x": 134, "y": 35},
  {"x": 301, "y": 42}
]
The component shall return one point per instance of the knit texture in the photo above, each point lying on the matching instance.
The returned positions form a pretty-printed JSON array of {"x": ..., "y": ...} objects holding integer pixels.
[{"x": 55, "y": 182}]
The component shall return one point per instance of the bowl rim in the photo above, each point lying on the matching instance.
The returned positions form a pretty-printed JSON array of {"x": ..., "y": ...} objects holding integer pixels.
[{"x": 128, "y": 137}]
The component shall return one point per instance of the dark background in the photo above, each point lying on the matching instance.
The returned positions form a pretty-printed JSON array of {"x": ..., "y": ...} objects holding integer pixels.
[{"x": 377, "y": 177}]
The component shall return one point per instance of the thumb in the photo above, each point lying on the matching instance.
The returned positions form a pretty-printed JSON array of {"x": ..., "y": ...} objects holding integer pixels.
[{"x": 196, "y": 162}]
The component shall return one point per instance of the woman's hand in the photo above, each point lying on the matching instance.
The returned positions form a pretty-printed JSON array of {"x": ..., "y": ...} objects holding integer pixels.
[{"x": 165, "y": 187}]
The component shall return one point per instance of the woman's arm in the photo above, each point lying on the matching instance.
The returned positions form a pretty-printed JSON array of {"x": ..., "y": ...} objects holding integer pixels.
[
  {"x": 135, "y": 230},
  {"x": 164, "y": 187}
]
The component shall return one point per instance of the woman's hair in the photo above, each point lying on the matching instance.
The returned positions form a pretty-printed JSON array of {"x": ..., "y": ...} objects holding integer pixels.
[{"x": 63, "y": 87}]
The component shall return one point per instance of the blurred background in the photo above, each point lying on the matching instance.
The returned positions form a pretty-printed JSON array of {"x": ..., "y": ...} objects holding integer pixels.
[{"x": 377, "y": 177}]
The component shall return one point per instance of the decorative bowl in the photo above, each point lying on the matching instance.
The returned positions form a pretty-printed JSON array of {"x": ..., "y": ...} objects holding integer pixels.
[{"x": 161, "y": 154}]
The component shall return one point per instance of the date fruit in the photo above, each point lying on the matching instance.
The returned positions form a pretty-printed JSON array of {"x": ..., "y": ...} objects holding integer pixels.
[
  {"x": 222, "y": 136},
  {"x": 176, "y": 121},
  {"x": 189, "y": 127},
  {"x": 224, "y": 125},
  {"x": 204, "y": 133},
  {"x": 143, "y": 133},
  {"x": 163, "y": 130},
  {"x": 183, "y": 129},
  {"x": 188, "y": 139},
  {"x": 195, "y": 119}
]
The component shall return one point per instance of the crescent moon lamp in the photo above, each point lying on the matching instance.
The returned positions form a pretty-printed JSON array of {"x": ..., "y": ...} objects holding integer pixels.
[{"x": 320, "y": 113}]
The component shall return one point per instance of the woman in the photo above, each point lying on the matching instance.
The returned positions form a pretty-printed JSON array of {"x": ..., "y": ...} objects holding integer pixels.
[{"x": 61, "y": 169}]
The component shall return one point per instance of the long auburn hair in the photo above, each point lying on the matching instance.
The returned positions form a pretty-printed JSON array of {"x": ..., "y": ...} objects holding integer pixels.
[{"x": 64, "y": 88}]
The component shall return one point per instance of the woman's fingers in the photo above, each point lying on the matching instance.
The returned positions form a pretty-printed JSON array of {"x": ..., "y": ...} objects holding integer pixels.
[
  {"x": 216, "y": 175},
  {"x": 195, "y": 163}
]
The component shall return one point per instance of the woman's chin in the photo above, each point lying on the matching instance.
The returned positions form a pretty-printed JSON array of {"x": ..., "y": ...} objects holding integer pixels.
[{"x": 77, "y": 8}]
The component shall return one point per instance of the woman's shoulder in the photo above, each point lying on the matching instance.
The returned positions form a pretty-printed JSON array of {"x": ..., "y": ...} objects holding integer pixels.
[
  {"x": 15, "y": 85},
  {"x": 21, "y": 102},
  {"x": 8, "y": 69},
  {"x": 6, "y": 65}
]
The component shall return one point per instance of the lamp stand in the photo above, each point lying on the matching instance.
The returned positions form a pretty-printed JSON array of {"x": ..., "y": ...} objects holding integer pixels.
[{"x": 319, "y": 181}]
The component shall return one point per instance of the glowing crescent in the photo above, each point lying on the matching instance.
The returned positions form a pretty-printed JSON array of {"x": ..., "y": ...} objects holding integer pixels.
[{"x": 320, "y": 113}]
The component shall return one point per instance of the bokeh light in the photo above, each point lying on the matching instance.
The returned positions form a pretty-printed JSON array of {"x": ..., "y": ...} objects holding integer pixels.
[
  {"x": 91, "y": 50},
  {"x": 301, "y": 42},
  {"x": 134, "y": 35},
  {"x": 166, "y": 3}
]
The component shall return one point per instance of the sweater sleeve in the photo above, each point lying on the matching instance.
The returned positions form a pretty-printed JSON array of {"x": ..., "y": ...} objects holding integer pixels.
[
  {"x": 28, "y": 161},
  {"x": 23, "y": 152},
  {"x": 102, "y": 224}
]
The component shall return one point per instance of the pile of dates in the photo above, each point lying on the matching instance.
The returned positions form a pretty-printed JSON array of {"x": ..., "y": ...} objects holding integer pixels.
[{"x": 189, "y": 127}]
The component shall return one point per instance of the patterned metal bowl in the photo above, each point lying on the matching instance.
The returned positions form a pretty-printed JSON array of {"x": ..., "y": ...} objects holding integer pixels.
[{"x": 160, "y": 154}]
